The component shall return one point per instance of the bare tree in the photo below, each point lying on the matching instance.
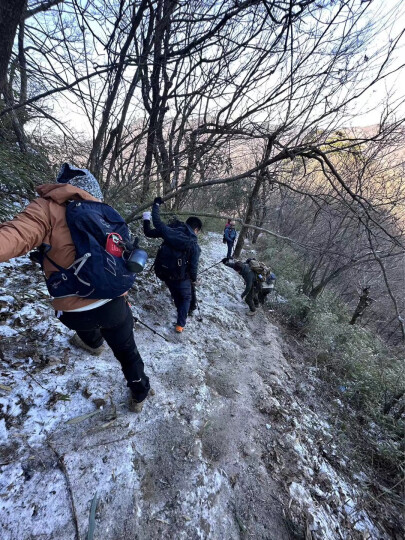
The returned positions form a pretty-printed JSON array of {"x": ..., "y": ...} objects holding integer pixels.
[
  {"x": 239, "y": 98},
  {"x": 11, "y": 14}
]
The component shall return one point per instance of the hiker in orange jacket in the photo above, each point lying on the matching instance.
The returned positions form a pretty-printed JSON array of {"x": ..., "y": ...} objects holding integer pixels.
[{"x": 44, "y": 222}]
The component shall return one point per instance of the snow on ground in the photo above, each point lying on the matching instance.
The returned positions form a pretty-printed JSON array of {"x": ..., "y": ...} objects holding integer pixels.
[{"x": 226, "y": 448}]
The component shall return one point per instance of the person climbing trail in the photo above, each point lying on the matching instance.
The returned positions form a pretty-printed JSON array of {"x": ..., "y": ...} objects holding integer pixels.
[
  {"x": 46, "y": 223},
  {"x": 250, "y": 293},
  {"x": 265, "y": 279},
  {"x": 176, "y": 262}
]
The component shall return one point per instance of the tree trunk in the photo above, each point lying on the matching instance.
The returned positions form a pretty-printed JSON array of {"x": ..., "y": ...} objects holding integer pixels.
[
  {"x": 159, "y": 87},
  {"x": 364, "y": 301},
  {"x": 15, "y": 122},
  {"x": 248, "y": 216},
  {"x": 95, "y": 162},
  {"x": 11, "y": 12},
  {"x": 189, "y": 170},
  {"x": 261, "y": 214}
]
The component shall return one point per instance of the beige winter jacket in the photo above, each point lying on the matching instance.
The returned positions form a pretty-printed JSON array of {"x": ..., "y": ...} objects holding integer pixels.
[{"x": 44, "y": 221}]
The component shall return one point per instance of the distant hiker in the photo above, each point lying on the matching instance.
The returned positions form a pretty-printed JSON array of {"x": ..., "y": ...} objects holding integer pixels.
[
  {"x": 176, "y": 262},
  {"x": 250, "y": 294},
  {"x": 46, "y": 223},
  {"x": 230, "y": 237}
]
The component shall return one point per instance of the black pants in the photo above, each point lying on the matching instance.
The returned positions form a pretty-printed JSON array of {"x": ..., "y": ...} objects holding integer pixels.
[
  {"x": 262, "y": 296},
  {"x": 181, "y": 293},
  {"x": 113, "y": 322},
  {"x": 230, "y": 247},
  {"x": 252, "y": 298}
]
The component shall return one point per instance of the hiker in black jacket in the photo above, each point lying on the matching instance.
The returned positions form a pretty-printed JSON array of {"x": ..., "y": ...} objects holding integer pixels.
[
  {"x": 176, "y": 262},
  {"x": 250, "y": 293}
]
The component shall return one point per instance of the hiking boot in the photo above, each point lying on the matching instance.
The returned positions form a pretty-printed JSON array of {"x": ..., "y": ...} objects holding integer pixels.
[
  {"x": 78, "y": 342},
  {"x": 179, "y": 329},
  {"x": 251, "y": 313},
  {"x": 137, "y": 406}
]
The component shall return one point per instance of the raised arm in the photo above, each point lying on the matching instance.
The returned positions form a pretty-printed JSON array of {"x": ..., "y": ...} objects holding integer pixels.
[
  {"x": 156, "y": 219},
  {"x": 227, "y": 262},
  {"x": 167, "y": 233},
  {"x": 25, "y": 232},
  {"x": 147, "y": 229}
]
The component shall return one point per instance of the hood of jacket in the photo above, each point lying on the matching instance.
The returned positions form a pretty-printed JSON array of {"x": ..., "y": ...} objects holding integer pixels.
[
  {"x": 61, "y": 193},
  {"x": 81, "y": 178},
  {"x": 246, "y": 271},
  {"x": 184, "y": 233}
]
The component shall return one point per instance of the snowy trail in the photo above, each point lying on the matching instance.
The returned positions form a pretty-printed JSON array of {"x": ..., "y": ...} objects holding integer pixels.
[
  {"x": 186, "y": 467},
  {"x": 215, "y": 454}
]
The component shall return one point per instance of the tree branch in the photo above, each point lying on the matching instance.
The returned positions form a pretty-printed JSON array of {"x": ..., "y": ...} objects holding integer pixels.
[{"x": 42, "y": 7}]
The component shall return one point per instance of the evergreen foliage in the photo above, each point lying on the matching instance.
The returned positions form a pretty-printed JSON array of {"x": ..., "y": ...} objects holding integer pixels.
[{"x": 19, "y": 174}]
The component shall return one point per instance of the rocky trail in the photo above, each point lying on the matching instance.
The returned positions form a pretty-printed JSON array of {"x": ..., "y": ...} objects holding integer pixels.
[{"x": 230, "y": 447}]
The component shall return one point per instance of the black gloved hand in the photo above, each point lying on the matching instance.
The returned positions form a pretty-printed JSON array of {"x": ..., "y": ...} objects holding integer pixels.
[
  {"x": 35, "y": 256},
  {"x": 131, "y": 244},
  {"x": 225, "y": 260},
  {"x": 158, "y": 200}
]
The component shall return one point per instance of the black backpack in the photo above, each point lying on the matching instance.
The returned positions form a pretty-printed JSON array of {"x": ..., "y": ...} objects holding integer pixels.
[{"x": 171, "y": 264}]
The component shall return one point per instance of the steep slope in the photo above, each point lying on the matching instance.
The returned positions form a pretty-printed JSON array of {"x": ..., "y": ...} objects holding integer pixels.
[{"x": 227, "y": 448}]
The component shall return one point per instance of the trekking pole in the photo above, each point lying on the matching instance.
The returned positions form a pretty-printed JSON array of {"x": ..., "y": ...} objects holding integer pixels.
[
  {"x": 200, "y": 319},
  {"x": 197, "y": 303},
  {"x": 205, "y": 269},
  {"x": 136, "y": 320},
  {"x": 194, "y": 300}
]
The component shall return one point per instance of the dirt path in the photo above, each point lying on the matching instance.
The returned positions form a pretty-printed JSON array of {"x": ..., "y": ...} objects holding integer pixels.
[
  {"x": 189, "y": 466},
  {"x": 235, "y": 444}
]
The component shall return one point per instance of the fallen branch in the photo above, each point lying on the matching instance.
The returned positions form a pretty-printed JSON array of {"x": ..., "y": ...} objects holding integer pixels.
[
  {"x": 34, "y": 379},
  {"x": 82, "y": 417},
  {"x": 69, "y": 488},
  {"x": 92, "y": 518},
  {"x": 362, "y": 258},
  {"x": 230, "y": 179}
]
